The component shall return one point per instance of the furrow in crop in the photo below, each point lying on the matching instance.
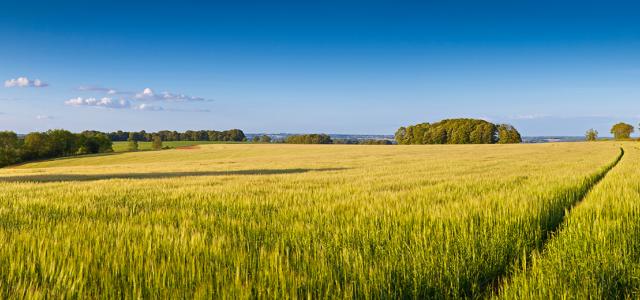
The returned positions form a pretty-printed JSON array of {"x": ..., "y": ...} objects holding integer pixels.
[{"x": 578, "y": 195}]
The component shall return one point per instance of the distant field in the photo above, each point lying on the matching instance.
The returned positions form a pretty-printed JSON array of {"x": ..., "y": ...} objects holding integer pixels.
[
  {"x": 123, "y": 146},
  {"x": 323, "y": 221}
]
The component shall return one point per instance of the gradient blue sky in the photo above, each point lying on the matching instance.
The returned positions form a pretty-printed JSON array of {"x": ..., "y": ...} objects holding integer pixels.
[{"x": 548, "y": 67}]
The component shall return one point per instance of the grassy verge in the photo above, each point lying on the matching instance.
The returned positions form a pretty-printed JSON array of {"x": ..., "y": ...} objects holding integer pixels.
[{"x": 123, "y": 146}]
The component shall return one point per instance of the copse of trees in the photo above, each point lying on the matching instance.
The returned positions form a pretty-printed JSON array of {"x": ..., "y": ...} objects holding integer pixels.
[
  {"x": 362, "y": 142},
  {"x": 458, "y": 131},
  {"x": 508, "y": 134},
  {"x": 309, "y": 139},
  {"x": 232, "y": 135},
  {"x": 375, "y": 142},
  {"x": 50, "y": 144},
  {"x": 261, "y": 139},
  {"x": 591, "y": 135},
  {"x": 93, "y": 142},
  {"x": 9, "y": 148},
  {"x": 622, "y": 131}
]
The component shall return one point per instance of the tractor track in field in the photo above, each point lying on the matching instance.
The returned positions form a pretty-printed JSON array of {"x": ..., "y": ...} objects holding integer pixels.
[{"x": 493, "y": 288}]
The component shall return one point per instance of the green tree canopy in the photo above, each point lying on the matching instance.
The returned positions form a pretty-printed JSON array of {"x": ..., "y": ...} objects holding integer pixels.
[
  {"x": 507, "y": 134},
  {"x": 157, "y": 142},
  {"x": 265, "y": 139},
  {"x": 35, "y": 145},
  {"x": 622, "y": 131},
  {"x": 457, "y": 131},
  {"x": 591, "y": 135},
  {"x": 309, "y": 139},
  {"x": 61, "y": 143},
  {"x": 9, "y": 148},
  {"x": 133, "y": 143}
]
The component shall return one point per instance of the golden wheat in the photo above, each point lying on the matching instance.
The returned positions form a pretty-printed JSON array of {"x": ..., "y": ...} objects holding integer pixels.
[{"x": 286, "y": 221}]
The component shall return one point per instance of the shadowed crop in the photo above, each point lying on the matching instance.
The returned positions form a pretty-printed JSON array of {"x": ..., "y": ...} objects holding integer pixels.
[{"x": 154, "y": 175}]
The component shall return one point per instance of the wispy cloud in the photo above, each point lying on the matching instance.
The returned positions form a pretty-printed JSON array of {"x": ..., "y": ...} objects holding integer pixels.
[
  {"x": 104, "y": 102},
  {"x": 9, "y": 99},
  {"x": 188, "y": 110},
  {"x": 105, "y": 90},
  {"x": 149, "y": 95},
  {"x": 528, "y": 117},
  {"x": 44, "y": 117},
  {"x": 148, "y": 107},
  {"x": 24, "y": 82}
]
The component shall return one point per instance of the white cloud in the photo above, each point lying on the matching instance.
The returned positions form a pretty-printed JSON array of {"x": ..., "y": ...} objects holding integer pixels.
[
  {"x": 148, "y": 107},
  {"x": 136, "y": 101},
  {"x": 528, "y": 117},
  {"x": 108, "y": 91},
  {"x": 44, "y": 117},
  {"x": 149, "y": 95},
  {"x": 105, "y": 102},
  {"x": 24, "y": 82}
]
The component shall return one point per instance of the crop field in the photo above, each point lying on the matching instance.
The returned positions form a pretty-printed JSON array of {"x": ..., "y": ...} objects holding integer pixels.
[
  {"x": 597, "y": 252},
  {"x": 325, "y": 221}
]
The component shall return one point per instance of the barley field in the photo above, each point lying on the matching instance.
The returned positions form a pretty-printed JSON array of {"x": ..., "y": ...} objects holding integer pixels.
[
  {"x": 324, "y": 221},
  {"x": 597, "y": 251}
]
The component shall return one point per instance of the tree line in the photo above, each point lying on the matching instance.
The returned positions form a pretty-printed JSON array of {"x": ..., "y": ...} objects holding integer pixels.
[
  {"x": 50, "y": 144},
  {"x": 621, "y": 131},
  {"x": 458, "y": 131},
  {"x": 362, "y": 142},
  {"x": 232, "y": 135},
  {"x": 309, "y": 139},
  {"x": 326, "y": 139}
]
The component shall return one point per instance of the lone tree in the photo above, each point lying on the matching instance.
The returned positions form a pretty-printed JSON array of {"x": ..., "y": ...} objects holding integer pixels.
[
  {"x": 157, "y": 142},
  {"x": 622, "y": 131},
  {"x": 591, "y": 135},
  {"x": 133, "y": 143}
]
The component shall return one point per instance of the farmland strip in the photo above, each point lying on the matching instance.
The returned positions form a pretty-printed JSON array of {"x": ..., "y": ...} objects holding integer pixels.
[
  {"x": 597, "y": 255},
  {"x": 580, "y": 195}
]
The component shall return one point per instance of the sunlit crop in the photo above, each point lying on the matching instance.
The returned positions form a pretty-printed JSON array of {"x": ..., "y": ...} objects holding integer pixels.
[
  {"x": 298, "y": 221},
  {"x": 596, "y": 252}
]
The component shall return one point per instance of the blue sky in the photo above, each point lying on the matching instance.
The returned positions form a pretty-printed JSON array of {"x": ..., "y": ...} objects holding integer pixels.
[{"x": 548, "y": 67}]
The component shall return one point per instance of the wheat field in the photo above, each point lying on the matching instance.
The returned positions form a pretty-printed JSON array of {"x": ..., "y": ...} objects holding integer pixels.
[
  {"x": 321, "y": 221},
  {"x": 597, "y": 251}
]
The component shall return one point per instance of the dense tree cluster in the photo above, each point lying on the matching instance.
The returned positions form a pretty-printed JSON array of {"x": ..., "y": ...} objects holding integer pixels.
[
  {"x": 622, "y": 131},
  {"x": 50, "y": 144},
  {"x": 233, "y": 135},
  {"x": 261, "y": 139},
  {"x": 508, "y": 134},
  {"x": 362, "y": 142},
  {"x": 309, "y": 139},
  {"x": 458, "y": 131}
]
